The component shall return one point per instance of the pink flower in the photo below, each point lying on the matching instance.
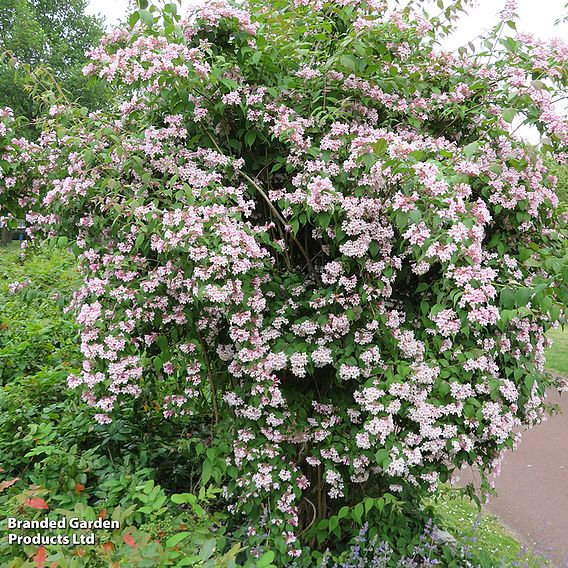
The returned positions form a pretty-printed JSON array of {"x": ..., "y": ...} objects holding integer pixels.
[{"x": 418, "y": 234}]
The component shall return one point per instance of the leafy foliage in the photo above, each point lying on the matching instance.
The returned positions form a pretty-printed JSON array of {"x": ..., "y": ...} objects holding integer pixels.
[
  {"x": 55, "y": 461},
  {"x": 561, "y": 173}
]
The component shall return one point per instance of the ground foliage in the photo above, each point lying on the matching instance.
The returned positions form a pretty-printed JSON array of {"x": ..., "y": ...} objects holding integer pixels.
[{"x": 55, "y": 461}]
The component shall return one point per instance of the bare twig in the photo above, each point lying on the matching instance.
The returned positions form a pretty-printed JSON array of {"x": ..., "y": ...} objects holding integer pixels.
[
  {"x": 281, "y": 219},
  {"x": 313, "y": 518},
  {"x": 272, "y": 207},
  {"x": 210, "y": 379}
]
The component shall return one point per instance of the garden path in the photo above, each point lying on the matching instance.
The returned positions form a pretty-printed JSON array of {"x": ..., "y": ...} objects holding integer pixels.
[{"x": 532, "y": 490}]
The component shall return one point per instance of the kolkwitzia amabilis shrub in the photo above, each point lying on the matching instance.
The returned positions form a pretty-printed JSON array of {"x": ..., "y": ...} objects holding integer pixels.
[{"x": 309, "y": 225}]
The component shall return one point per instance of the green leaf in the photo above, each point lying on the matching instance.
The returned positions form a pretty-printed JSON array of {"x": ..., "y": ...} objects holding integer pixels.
[
  {"x": 510, "y": 43},
  {"x": 529, "y": 382},
  {"x": 158, "y": 363},
  {"x": 163, "y": 342},
  {"x": 507, "y": 298},
  {"x": 415, "y": 216},
  {"x": 469, "y": 411},
  {"x": 134, "y": 17},
  {"x": 171, "y": 8},
  {"x": 250, "y": 137},
  {"x": 509, "y": 114},
  {"x": 554, "y": 313},
  {"x": 348, "y": 61},
  {"x": 374, "y": 249},
  {"x": 471, "y": 149},
  {"x": 277, "y": 166},
  {"x": 324, "y": 219},
  {"x": 401, "y": 219},
  {"x": 381, "y": 455},
  {"x": 146, "y": 17},
  {"x": 343, "y": 512},
  {"x": 358, "y": 512},
  {"x": 184, "y": 498},
  {"x": 139, "y": 240},
  {"x": 208, "y": 549},
  {"x": 207, "y": 471},
  {"x": 265, "y": 559},
  {"x": 333, "y": 523},
  {"x": 380, "y": 146},
  {"x": 523, "y": 296},
  {"x": 369, "y": 160},
  {"x": 176, "y": 539}
]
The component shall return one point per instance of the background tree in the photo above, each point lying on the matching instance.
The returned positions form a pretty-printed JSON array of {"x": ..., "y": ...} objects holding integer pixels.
[{"x": 51, "y": 33}]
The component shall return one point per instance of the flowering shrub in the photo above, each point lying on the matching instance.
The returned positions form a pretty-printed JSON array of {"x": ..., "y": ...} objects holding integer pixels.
[{"x": 307, "y": 225}]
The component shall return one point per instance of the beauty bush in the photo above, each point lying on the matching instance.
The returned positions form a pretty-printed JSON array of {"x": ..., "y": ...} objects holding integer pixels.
[{"x": 305, "y": 223}]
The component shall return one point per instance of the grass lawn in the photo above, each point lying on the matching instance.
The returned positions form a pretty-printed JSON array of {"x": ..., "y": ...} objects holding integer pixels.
[
  {"x": 557, "y": 355},
  {"x": 484, "y": 533}
]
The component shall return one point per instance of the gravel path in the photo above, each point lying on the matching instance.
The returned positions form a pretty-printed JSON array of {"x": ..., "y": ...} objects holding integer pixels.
[{"x": 532, "y": 490}]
